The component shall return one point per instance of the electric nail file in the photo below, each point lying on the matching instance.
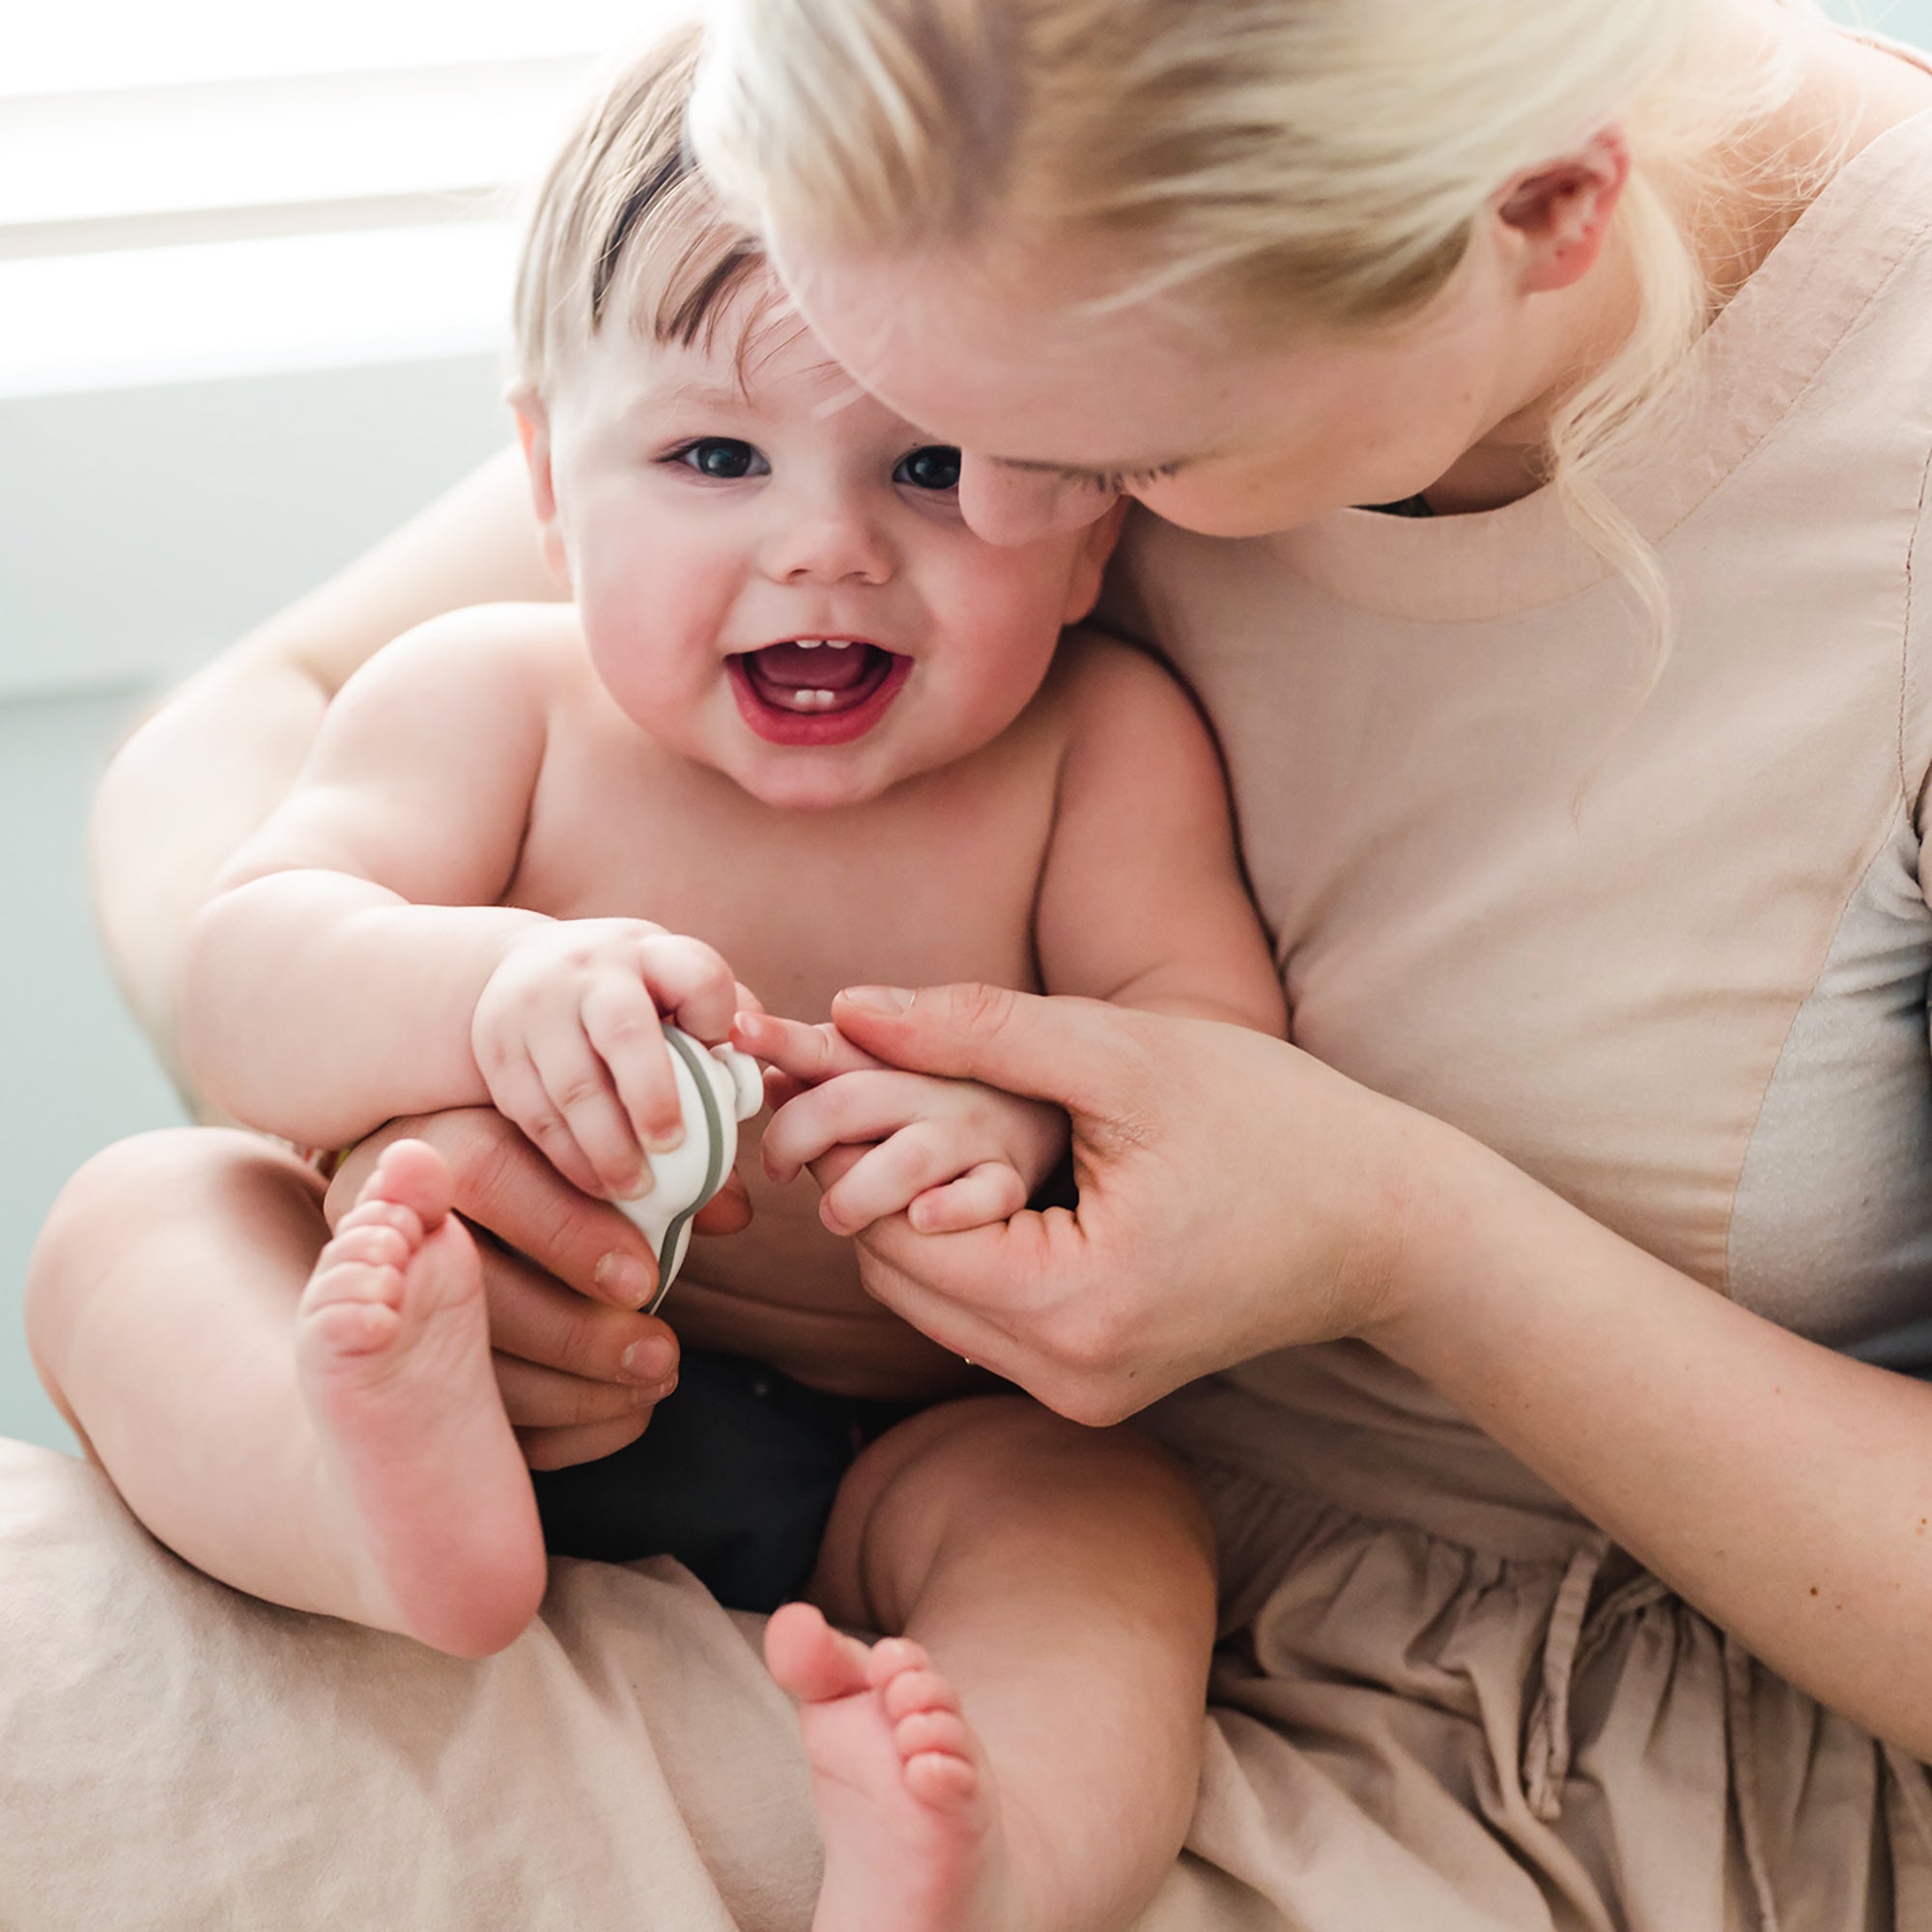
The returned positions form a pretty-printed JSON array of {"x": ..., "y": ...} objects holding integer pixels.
[{"x": 717, "y": 1088}]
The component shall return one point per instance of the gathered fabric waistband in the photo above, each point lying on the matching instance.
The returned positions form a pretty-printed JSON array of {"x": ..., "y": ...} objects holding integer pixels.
[
  {"x": 1342, "y": 1425},
  {"x": 1311, "y": 1463}
]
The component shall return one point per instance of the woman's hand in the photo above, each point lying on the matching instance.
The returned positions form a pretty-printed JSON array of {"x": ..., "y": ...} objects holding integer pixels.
[
  {"x": 1236, "y": 1197},
  {"x": 580, "y": 1369},
  {"x": 949, "y": 1154}
]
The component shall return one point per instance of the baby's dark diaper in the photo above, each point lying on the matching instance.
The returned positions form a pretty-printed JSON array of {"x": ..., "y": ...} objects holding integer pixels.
[{"x": 735, "y": 1477}]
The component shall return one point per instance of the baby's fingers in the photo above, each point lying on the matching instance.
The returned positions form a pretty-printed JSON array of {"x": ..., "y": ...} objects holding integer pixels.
[
  {"x": 691, "y": 986},
  {"x": 993, "y": 1191},
  {"x": 622, "y": 1026},
  {"x": 518, "y": 1093},
  {"x": 889, "y": 1178},
  {"x": 804, "y": 1054},
  {"x": 853, "y": 1107},
  {"x": 577, "y": 1087}
]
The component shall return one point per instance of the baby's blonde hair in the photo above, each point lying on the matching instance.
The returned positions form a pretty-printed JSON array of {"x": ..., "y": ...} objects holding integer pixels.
[
  {"x": 624, "y": 219},
  {"x": 1289, "y": 162}
]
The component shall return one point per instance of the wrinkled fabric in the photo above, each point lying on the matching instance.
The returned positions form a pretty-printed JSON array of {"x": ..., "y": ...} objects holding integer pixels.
[
  {"x": 1513, "y": 1728},
  {"x": 177, "y": 1757},
  {"x": 1408, "y": 1732}
]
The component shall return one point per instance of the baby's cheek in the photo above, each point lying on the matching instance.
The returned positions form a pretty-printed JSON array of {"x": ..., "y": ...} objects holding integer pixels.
[
  {"x": 657, "y": 688},
  {"x": 995, "y": 676}
]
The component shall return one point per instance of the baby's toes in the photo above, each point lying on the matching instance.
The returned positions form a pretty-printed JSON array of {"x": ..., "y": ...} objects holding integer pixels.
[
  {"x": 913, "y": 1692},
  {"x": 933, "y": 1730},
  {"x": 892, "y": 1657},
  {"x": 378, "y": 1213},
  {"x": 369, "y": 1244},
  {"x": 941, "y": 1780},
  {"x": 356, "y": 1291},
  {"x": 352, "y": 1308}
]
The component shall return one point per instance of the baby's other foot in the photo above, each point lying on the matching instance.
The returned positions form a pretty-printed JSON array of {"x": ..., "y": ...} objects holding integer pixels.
[
  {"x": 423, "y": 1486},
  {"x": 905, "y": 1805}
]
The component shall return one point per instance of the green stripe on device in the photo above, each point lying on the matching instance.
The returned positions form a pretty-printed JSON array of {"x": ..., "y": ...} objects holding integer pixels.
[{"x": 695, "y": 1060}]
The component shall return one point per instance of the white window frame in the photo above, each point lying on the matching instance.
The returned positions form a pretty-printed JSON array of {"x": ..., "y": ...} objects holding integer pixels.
[{"x": 195, "y": 218}]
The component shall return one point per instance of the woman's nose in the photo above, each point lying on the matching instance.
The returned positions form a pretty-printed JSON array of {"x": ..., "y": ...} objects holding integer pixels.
[{"x": 1005, "y": 505}]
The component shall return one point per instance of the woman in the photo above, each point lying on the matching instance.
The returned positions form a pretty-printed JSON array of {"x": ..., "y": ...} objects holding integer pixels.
[{"x": 1584, "y": 802}]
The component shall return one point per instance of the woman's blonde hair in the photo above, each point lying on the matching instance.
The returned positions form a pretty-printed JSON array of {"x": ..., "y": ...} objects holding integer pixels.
[{"x": 1293, "y": 162}]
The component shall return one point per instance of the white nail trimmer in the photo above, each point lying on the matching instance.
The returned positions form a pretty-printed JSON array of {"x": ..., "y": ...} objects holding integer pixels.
[{"x": 717, "y": 1086}]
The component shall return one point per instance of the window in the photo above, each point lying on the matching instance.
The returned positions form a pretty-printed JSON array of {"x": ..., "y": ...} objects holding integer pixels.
[{"x": 217, "y": 185}]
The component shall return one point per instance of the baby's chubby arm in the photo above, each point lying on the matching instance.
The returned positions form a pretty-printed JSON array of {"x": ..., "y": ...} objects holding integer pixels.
[
  {"x": 1142, "y": 903},
  {"x": 355, "y": 965}
]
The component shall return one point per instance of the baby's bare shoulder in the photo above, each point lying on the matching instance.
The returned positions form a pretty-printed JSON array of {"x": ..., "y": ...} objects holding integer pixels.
[
  {"x": 478, "y": 688},
  {"x": 1103, "y": 691},
  {"x": 512, "y": 652}
]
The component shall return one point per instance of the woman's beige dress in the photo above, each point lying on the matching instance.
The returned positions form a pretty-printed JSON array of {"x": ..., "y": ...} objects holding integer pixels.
[{"x": 1667, "y": 950}]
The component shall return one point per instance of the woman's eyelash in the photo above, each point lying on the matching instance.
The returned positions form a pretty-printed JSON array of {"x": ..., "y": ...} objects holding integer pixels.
[{"x": 1116, "y": 482}]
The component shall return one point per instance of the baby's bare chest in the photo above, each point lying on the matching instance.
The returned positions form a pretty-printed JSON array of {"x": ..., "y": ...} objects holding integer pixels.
[{"x": 934, "y": 881}]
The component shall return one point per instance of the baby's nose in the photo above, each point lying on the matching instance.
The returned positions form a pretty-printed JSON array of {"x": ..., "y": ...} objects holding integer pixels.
[{"x": 829, "y": 546}]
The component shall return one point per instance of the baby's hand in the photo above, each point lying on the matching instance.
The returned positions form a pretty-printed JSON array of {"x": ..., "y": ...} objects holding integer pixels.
[
  {"x": 947, "y": 1153},
  {"x": 568, "y": 1037}
]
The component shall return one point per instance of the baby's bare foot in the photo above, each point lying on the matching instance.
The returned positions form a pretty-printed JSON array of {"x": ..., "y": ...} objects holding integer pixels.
[
  {"x": 423, "y": 1486},
  {"x": 905, "y": 1807}
]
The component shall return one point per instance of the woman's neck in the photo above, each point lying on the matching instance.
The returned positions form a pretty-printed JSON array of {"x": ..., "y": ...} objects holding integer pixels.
[{"x": 1845, "y": 94}]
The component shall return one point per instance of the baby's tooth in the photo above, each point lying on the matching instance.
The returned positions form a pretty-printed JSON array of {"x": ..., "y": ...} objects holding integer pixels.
[
  {"x": 808, "y": 643},
  {"x": 840, "y": 643}
]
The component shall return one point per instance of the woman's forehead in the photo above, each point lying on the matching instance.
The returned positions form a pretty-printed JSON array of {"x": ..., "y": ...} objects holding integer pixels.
[{"x": 1032, "y": 370}]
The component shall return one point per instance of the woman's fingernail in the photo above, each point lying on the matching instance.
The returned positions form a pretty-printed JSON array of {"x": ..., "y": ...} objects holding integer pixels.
[
  {"x": 878, "y": 999},
  {"x": 625, "y": 1278},
  {"x": 649, "y": 1362}
]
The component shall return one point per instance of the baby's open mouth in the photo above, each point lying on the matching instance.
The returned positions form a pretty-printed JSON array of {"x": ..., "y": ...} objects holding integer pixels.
[
  {"x": 811, "y": 674},
  {"x": 816, "y": 691}
]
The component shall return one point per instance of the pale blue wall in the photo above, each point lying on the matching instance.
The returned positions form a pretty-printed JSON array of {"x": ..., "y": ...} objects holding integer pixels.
[
  {"x": 139, "y": 530},
  {"x": 1904, "y": 19}
]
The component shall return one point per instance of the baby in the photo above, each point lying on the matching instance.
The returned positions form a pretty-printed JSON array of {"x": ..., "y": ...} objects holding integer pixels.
[{"x": 797, "y": 711}]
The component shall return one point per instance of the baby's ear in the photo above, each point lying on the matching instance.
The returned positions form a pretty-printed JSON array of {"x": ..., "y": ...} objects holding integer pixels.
[
  {"x": 533, "y": 433},
  {"x": 1095, "y": 546}
]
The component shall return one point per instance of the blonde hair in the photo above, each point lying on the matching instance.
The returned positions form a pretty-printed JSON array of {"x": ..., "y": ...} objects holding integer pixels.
[
  {"x": 1293, "y": 162},
  {"x": 625, "y": 219}
]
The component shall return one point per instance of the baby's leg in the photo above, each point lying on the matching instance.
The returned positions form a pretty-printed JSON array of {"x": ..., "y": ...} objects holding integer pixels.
[
  {"x": 315, "y": 1424},
  {"x": 1022, "y": 1752}
]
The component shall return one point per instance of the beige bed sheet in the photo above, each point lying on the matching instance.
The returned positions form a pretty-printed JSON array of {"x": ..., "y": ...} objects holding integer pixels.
[
  {"x": 1470, "y": 1715},
  {"x": 175, "y": 1758}
]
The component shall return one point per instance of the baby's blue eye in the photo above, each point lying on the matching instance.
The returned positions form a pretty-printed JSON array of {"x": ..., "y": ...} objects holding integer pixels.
[
  {"x": 935, "y": 467},
  {"x": 723, "y": 457}
]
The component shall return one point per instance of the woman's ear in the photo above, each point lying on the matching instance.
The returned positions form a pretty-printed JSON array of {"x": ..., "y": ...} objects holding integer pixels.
[
  {"x": 1096, "y": 542},
  {"x": 533, "y": 433},
  {"x": 1558, "y": 219}
]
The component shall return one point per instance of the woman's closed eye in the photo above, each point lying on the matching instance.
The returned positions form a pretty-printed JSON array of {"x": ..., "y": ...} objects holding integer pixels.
[
  {"x": 1118, "y": 482},
  {"x": 721, "y": 459}
]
